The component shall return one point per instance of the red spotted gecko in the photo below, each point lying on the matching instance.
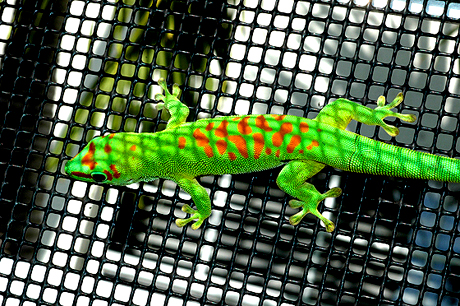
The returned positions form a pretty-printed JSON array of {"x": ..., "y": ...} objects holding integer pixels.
[{"x": 250, "y": 143}]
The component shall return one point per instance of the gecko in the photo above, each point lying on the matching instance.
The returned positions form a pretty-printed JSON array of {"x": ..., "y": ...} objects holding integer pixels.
[{"x": 184, "y": 151}]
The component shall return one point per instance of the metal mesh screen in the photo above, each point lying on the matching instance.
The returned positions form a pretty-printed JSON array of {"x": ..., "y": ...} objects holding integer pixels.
[{"x": 72, "y": 70}]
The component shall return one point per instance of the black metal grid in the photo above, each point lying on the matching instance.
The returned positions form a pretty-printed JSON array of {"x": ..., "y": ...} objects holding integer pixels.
[{"x": 74, "y": 70}]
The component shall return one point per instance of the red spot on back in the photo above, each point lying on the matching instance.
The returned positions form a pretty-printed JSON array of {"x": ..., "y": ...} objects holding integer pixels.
[
  {"x": 221, "y": 130},
  {"x": 278, "y": 117},
  {"x": 303, "y": 126},
  {"x": 208, "y": 151},
  {"x": 181, "y": 142},
  {"x": 314, "y": 143},
  {"x": 262, "y": 123},
  {"x": 268, "y": 151},
  {"x": 295, "y": 141},
  {"x": 116, "y": 174},
  {"x": 221, "y": 146},
  {"x": 278, "y": 137},
  {"x": 259, "y": 144},
  {"x": 111, "y": 136},
  {"x": 231, "y": 156},
  {"x": 133, "y": 148},
  {"x": 88, "y": 159},
  {"x": 240, "y": 144},
  {"x": 236, "y": 118},
  {"x": 243, "y": 126},
  {"x": 209, "y": 126},
  {"x": 286, "y": 128},
  {"x": 203, "y": 141},
  {"x": 107, "y": 148},
  {"x": 277, "y": 153}
]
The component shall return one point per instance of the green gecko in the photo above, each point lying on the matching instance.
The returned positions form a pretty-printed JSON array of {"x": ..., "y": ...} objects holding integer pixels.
[{"x": 250, "y": 143}]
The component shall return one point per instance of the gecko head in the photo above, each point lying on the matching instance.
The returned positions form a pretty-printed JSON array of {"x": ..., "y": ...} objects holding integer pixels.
[{"x": 98, "y": 162}]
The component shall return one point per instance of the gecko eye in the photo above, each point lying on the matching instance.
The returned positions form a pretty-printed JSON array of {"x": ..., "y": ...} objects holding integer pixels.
[{"x": 98, "y": 176}]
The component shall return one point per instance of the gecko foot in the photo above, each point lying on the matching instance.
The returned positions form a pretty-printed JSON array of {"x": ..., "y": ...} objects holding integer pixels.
[
  {"x": 382, "y": 111},
  {"x": 312, "y": 208},
  {"x": 195, "y": 215},
  {"x": 162, "y": 97}
]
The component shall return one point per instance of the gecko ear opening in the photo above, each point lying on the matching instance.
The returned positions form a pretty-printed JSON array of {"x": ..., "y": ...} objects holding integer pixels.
[{"x": 98, "y": 176}]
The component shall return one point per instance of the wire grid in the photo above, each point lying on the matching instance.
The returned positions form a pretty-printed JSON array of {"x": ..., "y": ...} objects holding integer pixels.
[{"x": 73, "y": 70}]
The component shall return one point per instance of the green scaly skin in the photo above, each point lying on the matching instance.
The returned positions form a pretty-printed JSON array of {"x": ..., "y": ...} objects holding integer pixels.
[{"x": 244, "y": 144}]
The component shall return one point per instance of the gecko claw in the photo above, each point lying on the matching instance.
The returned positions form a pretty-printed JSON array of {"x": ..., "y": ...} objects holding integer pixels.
[
  {"x": 162, "y": 83},
  {"x": 160, "y": 106},
  {"x": 176, "y": 90},
  {"x": 159, "y": 97},
  {"x": 333, "y": 193},
  {"x": 408, "y": 117},
  {"x": 396, "y": 101},
  {"x": 390, "y": 129}
]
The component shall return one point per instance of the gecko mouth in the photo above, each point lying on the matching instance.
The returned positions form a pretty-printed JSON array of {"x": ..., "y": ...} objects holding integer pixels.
[{"x": 81, "y": 174}]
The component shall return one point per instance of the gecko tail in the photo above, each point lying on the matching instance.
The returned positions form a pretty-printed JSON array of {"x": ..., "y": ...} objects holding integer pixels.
[{"x": 375, "y": 157}]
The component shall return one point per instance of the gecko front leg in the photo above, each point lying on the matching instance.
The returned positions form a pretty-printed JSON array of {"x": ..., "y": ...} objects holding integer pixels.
[{"x": 178, "y": 110}]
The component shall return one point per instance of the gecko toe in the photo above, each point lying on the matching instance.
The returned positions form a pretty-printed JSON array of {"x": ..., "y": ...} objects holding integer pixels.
[{"x": 159, "y": 97}]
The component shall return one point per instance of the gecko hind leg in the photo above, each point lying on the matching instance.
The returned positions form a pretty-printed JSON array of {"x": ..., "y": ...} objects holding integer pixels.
[
  {"x": 340, "y": 112},
  {"x": 292, "y": 181},
  {"x": 200, "y": 198}
]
